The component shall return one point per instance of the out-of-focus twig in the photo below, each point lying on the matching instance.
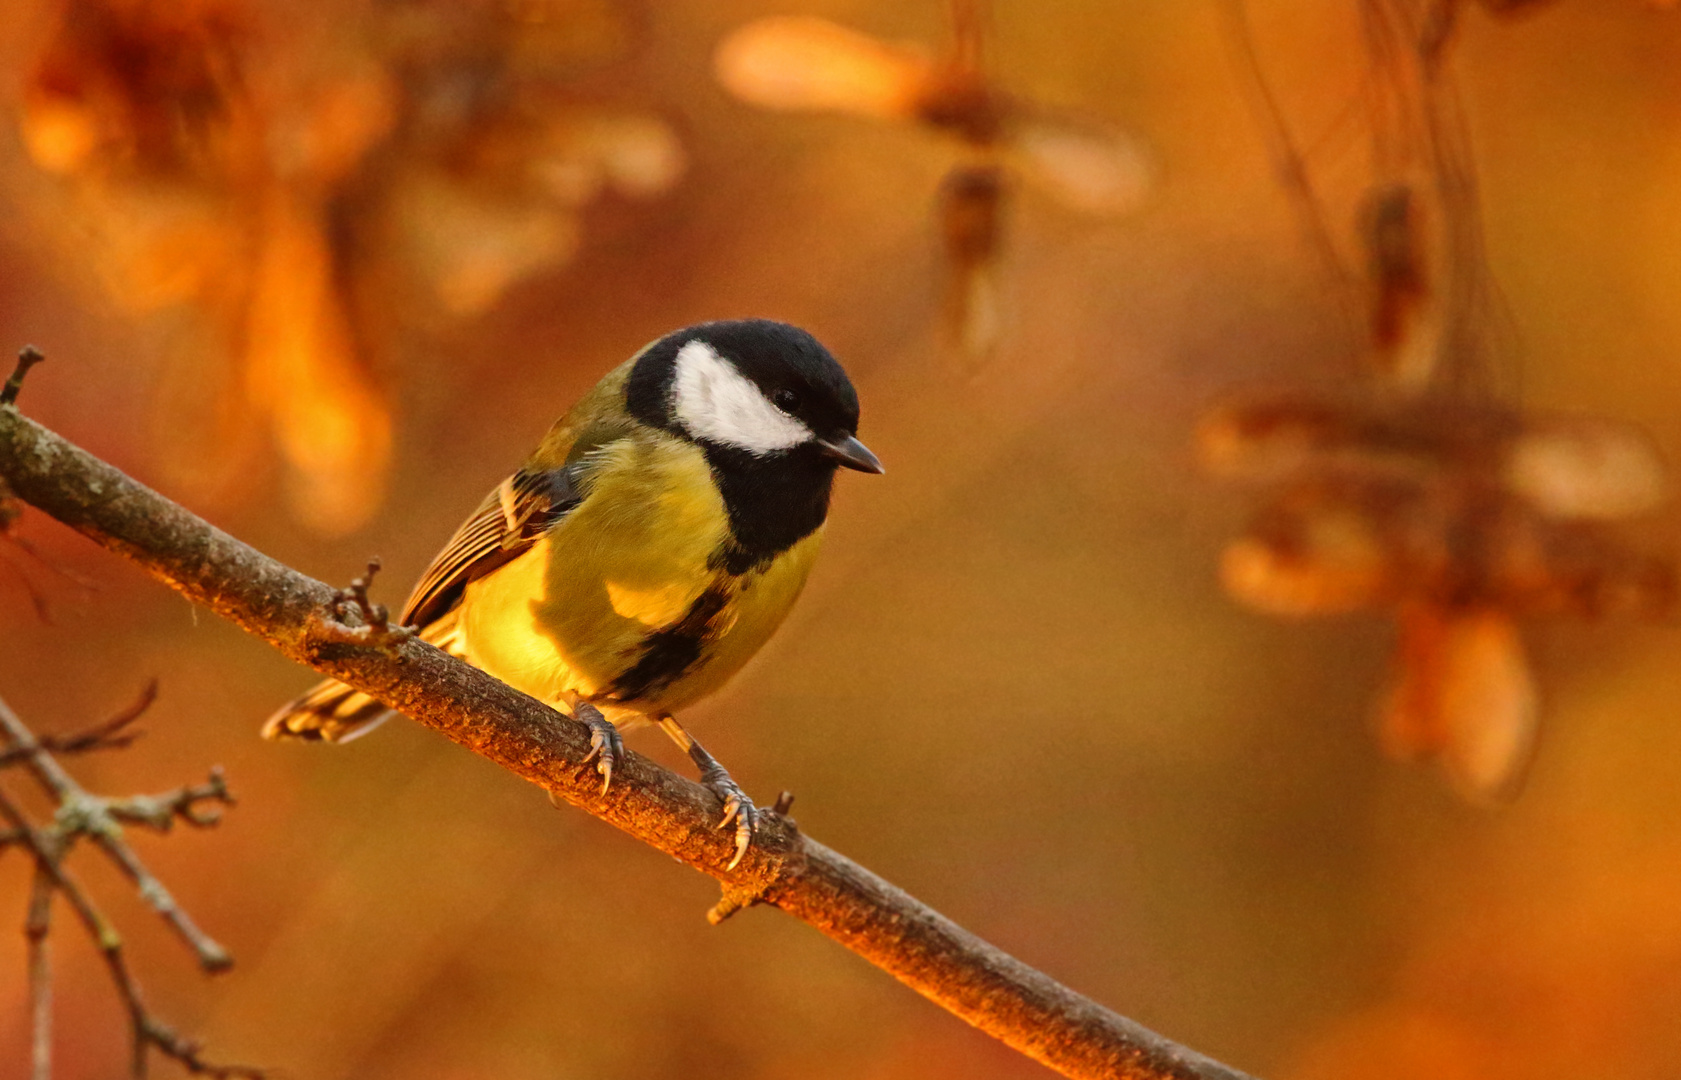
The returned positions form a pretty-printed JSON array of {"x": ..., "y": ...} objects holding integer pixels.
[
  {"x": 10, "y": 507},
  {"x": 112, "y": 734},
  {"x": 148, "y": 1031},
  {"x": 101, "y": 819},
  {"x": 971, "y": 978},
  {"x": 36, "y": 928},
  {"x": 81, "y": 815},
  {"x": 1292, "y": 169}
]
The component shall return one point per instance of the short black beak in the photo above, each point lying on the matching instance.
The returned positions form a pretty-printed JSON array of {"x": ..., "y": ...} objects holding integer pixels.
[{"x": 853, "y": 454}]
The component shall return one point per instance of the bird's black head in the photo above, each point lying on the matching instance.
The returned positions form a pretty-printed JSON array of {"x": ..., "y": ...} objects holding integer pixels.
[
  {"x": 751, "y": 386},
  {"x": 773, "y": 411}
]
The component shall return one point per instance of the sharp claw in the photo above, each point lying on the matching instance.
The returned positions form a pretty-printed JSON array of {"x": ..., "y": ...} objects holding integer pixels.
[
  {"x": 738, "y": 809},
  {"x": 743, "y": 839},
  {"x": 605, "y": 745},
  {"x": 737, "y": 806}
]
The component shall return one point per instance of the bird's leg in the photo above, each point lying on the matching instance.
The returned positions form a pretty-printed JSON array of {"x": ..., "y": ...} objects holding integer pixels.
[
  {"x": 606, "y": 748},
  {"x": 716, "y": 779}
]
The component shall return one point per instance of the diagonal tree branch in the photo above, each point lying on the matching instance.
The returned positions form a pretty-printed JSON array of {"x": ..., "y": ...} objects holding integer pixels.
[{"x": 898, "y": 933}]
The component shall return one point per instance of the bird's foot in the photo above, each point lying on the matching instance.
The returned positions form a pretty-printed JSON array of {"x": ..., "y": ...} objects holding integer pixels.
[
  {"x": 606, "y": 747},
  {"x": 716, "y": 779},
  {"x": 737, "y": 806}
]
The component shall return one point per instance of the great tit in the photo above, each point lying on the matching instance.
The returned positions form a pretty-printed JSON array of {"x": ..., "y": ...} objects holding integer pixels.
[{"x": 649, "y": 546}]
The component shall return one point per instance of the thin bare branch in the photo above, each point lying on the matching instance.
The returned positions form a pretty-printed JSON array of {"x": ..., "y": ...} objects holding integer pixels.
[
  {"x": 160, "y": 812},
  {"x": 98, "y": 819},
  {"x": 107, "y": 735},
  {"x": 36, "y": 928},
  {"x": 37, "y": 598},
  {"x": 11, "y": 509},
  {"x": 1292, "y": 168},
  {"x": 147, "y": 1031},
  {"x": 785, "y": 869}
]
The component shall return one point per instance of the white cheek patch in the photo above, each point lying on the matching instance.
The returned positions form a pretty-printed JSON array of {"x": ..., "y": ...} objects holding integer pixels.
[{"x": 714, "y": 401}]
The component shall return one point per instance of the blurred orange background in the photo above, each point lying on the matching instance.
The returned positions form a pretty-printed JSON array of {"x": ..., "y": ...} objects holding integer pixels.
[{"x": 1013, "y": 686}]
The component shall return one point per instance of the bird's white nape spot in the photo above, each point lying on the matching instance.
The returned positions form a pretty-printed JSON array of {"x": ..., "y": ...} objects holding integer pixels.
[{"x": 715, "y": 402}]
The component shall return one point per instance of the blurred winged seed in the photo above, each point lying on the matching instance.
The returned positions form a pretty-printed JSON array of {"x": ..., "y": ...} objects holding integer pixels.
[
  {"x": 1462, "y": 697},
  {"x": 1085, "y": 165},
  {"x": 471, "y": 250},
  {"x": 1268, "y": 440},
  {"x": 971, "y": 206},
  {"x": 1463, "y": 517},
  {"x": 1309, "y": 556},
  {"x": 1405, "y": 316},
  {"x": 1584, "y": 467},
  {"x": 636, "y": 155},
  {"x": 796, "y": 62}
]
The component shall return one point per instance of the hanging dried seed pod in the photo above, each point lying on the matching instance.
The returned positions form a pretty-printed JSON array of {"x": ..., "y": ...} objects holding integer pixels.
[
  {"x": 972, "y": 201},
  {"x": 791, "y": 62},
  {"x": 1461, "y": 696},
  {"x": 806, "y": 63}
]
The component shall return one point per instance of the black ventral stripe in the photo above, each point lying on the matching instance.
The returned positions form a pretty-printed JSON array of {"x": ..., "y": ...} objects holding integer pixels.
[{"x": 669, "y": 653}]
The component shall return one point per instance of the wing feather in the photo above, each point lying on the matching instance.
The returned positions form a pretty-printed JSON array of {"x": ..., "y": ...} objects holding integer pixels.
[{"x": 509, "y": 520}]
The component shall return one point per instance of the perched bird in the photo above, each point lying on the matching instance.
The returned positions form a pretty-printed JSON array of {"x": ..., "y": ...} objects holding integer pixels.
[{"x": 649, "y": 546}]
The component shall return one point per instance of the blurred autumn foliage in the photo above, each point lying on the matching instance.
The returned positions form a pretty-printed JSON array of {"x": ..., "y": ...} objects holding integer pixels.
[
  {"x": 323, "y": 271},
  {"x": 288, "y": 180},
  {"x": 1427, "y": 493}
]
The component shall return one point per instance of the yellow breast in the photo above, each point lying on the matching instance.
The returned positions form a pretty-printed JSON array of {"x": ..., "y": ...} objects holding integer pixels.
[{"x": 623, "y": 600}]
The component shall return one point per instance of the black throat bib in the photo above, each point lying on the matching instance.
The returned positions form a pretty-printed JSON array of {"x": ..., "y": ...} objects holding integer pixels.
[{"x": 774, "y": 502}]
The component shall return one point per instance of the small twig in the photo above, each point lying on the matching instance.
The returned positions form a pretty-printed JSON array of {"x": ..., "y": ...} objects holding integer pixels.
[
  {"x": 375, "y": 630},
  {"x": 28, "y": 357},
  {"x": 160, "y": 812},
  {"x": 1287, "y": 159},
  {"x": 734, "y": 899},
  {"x": 35, "y": 929},
  {"x": 11, "y": 510},
  {"x": 48, "y": 846},
  {"x": 106, "y": 735},
  {"x": 47, "y": 564},
  {"x": 92, "y": 816},
  {"x": 37, "y": 598}
]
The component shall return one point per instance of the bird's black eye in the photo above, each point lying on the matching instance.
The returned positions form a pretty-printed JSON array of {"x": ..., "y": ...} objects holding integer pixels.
[{"x": 786, "y": 400}]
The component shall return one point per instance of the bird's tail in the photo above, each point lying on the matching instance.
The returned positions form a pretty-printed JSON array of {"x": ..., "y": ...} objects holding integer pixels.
[
  {"x": 334, "y": 712},
  {"x": 331, "y": 712}
]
